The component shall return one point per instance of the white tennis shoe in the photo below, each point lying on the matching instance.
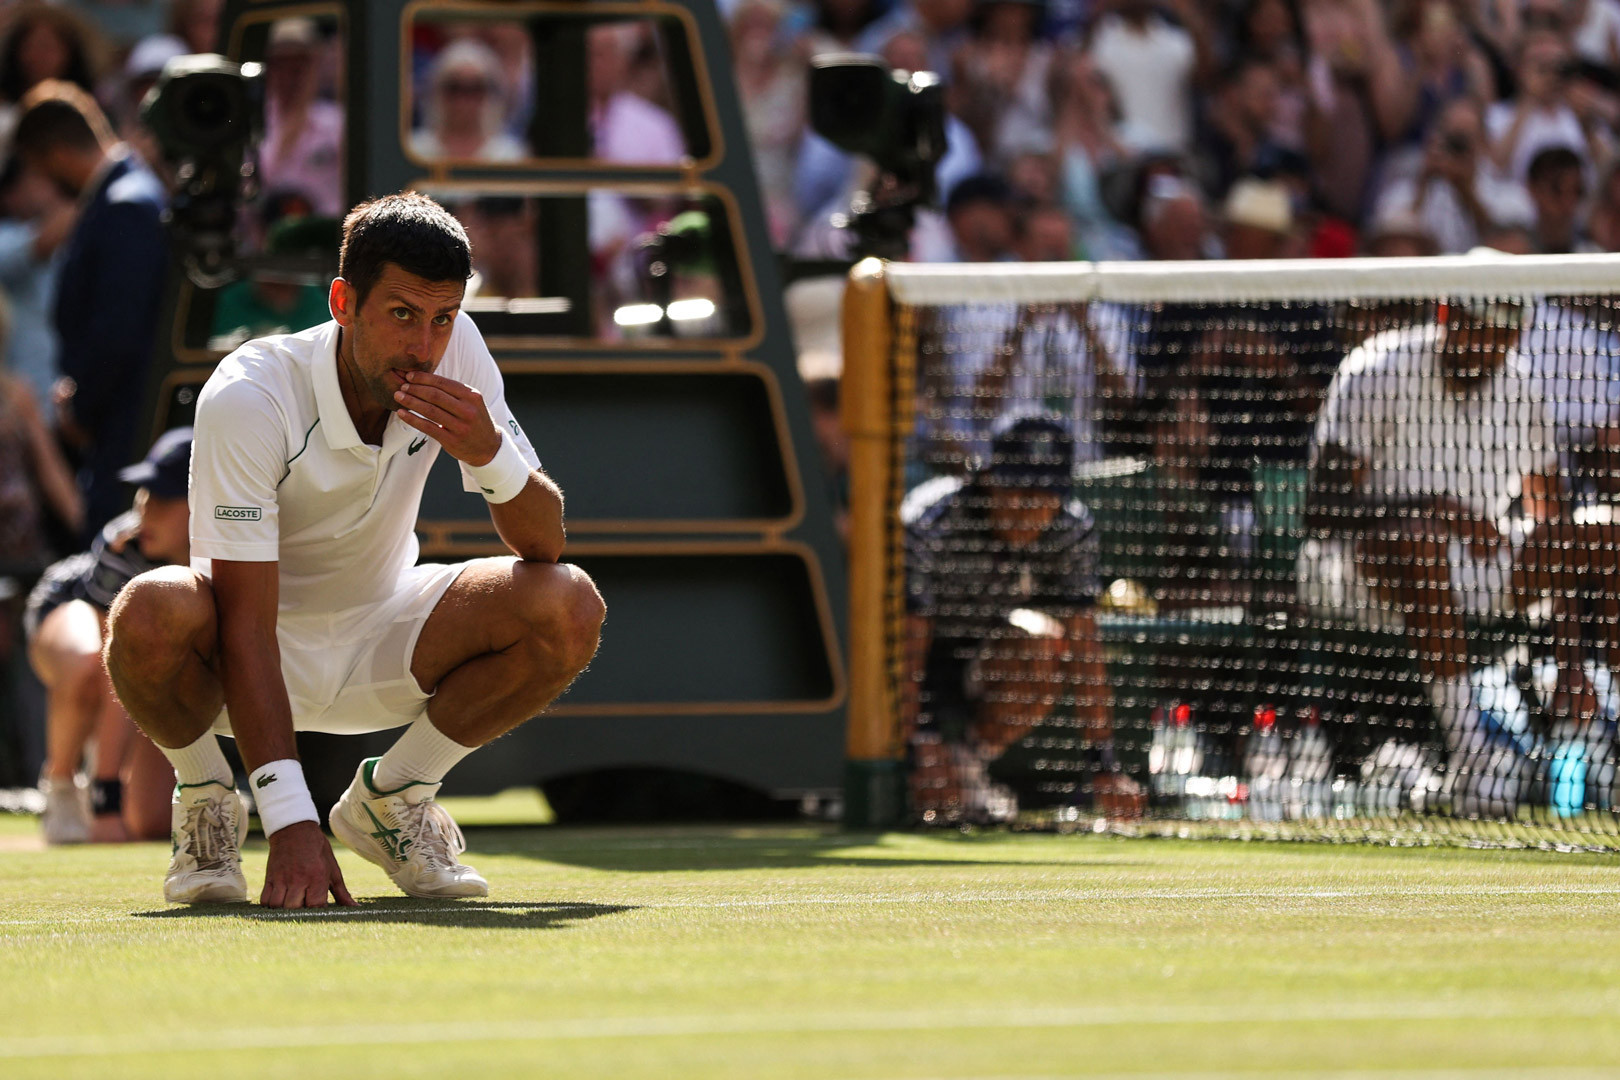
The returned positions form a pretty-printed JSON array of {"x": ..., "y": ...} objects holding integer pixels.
[
  {"x": 408, "y": 834},
  {"x": 66, "y": 818},
  {"x": 207, "y": 829}
]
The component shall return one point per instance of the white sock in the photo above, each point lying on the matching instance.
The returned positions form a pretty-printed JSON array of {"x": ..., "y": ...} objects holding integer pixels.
[
  {"x": 421, "y": 756},
  {"x": 201, "y": 762},
  {"x": 1453, "y": 701}
]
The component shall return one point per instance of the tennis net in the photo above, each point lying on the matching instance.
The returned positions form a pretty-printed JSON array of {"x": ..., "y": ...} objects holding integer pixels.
[{"x": 1317, "y": 548}]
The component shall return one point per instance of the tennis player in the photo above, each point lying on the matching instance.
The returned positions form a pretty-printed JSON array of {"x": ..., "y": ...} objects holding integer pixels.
[{"x": 304, "y": 608}]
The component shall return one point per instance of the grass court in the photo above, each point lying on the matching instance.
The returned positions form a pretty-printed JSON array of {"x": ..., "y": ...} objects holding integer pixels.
[{"x": 805, "y": 952}]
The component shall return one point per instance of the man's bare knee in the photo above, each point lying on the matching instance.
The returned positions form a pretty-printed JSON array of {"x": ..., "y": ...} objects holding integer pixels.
[
  {"x": 157, "y": 620},
  {"x": 563, "y": 608}
]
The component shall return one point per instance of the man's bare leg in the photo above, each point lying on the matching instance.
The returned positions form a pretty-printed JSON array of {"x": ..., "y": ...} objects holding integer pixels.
[
  {"x": 503, "y": 642},
  {"x": 162, "y": 639}
]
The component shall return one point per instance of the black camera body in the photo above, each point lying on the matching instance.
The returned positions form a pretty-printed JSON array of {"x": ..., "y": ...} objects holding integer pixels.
[
  {"x": 207, "y": 113},
  {"x": 895, "y": 118}
]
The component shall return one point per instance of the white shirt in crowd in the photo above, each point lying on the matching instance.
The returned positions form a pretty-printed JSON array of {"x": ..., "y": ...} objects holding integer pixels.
[
  {"x": 1053, "y": 373},
  {"x": 1151, "y": 72},
  {"x": 1443, "y": 214},
  {"x": 279, "y": 473},
  {"x": 1544, "y": 129},
  {"x": 1390, "y": 406}
]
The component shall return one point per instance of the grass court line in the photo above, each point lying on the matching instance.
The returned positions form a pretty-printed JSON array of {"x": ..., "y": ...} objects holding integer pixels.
[
  {"x": 627, "y": 1027},
  {"x": 1068, "y": 896}
]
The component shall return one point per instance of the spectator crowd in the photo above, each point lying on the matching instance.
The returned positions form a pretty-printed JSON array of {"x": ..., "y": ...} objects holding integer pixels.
[{"x": 1186, "y": 129}]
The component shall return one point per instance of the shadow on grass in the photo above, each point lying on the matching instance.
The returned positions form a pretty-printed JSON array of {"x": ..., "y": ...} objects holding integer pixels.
[
  {"x": 470, "y": 914},
  {"x": 654, "y": 850}
]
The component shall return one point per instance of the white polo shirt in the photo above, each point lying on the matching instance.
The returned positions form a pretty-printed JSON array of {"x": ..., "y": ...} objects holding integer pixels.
[
  {"x": 279, "y": 473},
  {"x": 1390, "y": 405}
]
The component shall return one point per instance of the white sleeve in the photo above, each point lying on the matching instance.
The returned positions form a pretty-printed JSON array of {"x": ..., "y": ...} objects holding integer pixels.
[
  {"x": 239, "y": 456},
  {"x": 477, "y": 368}
]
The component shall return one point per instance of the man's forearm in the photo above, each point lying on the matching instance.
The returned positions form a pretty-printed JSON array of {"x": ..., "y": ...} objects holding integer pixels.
[
  {"x": 256, "y": 695},
  {"x": 531, "y": 524}
]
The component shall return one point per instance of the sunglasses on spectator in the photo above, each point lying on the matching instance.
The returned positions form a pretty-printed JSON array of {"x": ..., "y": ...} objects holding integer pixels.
[{"x": 466, "y": 87}]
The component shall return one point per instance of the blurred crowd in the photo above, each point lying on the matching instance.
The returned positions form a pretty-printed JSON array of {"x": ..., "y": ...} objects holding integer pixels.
[{"x": 1187, "y": 129}]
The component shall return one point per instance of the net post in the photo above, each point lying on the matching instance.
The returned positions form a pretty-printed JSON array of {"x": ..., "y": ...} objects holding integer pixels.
[{"x": 874, "y": 781}]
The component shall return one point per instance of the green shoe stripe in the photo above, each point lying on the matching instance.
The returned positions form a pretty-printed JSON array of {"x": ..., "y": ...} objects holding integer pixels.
[
  {"x": 368, "y": 769},
  {"x": 205, "y": 783}
]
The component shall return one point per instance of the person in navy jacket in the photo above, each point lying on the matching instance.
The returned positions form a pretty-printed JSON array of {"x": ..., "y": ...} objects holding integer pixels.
[{"x": 110, "y": 290}]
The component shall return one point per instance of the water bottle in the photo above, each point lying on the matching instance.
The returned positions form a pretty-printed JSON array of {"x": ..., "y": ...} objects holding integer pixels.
[
  {"x": 1265, "y": 763},
  {"x": 1310, "y": 772}
]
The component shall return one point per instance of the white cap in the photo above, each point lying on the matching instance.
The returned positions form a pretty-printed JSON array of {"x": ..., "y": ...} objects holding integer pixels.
[
  {"x": 1260, "y": 204},
  {"x": 150, "y": 53}
]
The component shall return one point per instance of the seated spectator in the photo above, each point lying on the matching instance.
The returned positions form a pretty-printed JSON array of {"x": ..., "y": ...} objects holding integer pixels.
[
  {"x": 1045, "y": 234},
  {"x": 1089, "y": 143},
  {"x": 1001, "y": 583},
  {"x": 464, "y": 116},
  {"x": 302, "y": 150},
  {"x": 1541, "y": 114},
  {"x": 1242, "y": 133},
  {"x": 940, "y": 27},
  {"x": 36, "y": 218},
  {"x": 626, "y": 127},
  {"x": 505, "y": 251},
  {"x": 980, "y": 215},
  {"x": 127, "y": 798},
  {"x": 1174, "y": 225},
  {"x": 1257, "y": 221},
  {"x": 1153, "y": 64},
  {"x": 196, "y": 22},
  {"x": 1557, "y": 186},
  {"x": 772, "y": 82},
  {"x": 1456, "y": 193},
  {"x": 1403, "y": 540},
  {"x": 1001, "y": 74},
  {"x": 43, "y": 42}
]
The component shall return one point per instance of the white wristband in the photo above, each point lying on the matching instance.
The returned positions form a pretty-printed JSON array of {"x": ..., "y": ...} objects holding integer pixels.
[
  {"x": 282, "y": 795},
  {"x": 504, "y": 475}
]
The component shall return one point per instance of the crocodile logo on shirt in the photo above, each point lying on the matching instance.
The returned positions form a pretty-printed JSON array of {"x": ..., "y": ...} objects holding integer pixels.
[{"x": 415, "y": 446}]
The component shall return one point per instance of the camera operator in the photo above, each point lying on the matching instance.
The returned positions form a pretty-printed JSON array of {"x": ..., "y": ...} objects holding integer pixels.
[
  {"x": 1551, "y": 108},
  {"x": 1456, "y": 194}
]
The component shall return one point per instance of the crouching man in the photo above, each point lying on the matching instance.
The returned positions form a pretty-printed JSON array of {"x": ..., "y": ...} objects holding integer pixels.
[{"x": 304, "y": 608}]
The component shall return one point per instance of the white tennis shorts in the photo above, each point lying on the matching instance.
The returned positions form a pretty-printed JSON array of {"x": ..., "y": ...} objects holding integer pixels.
[
  {"x": 349, "y": 672},
  {"x": 1331, "y": 582}
]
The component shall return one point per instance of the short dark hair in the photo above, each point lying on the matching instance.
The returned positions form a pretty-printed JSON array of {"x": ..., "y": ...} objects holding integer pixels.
[
  {"x": 60, "y": 114},
  {"x": 1552, "y": 162},
  {"x": 409, "y": 230}
]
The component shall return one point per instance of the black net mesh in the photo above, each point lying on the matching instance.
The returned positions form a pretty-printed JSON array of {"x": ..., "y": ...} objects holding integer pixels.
[{"x": 1336, "y": 569}]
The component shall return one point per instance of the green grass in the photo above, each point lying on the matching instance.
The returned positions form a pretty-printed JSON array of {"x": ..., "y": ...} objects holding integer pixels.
[{"x": 803, "y": 952}]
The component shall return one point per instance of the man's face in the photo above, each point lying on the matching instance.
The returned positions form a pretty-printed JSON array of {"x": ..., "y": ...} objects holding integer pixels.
[
  {"x": 1178, "y": 231},
  {"x": 1019, "y": 510},
  {"x": 1557, "y": 197},
  {"x": 165, "y": 530},
  {"x": 403, "y": 325},
  {"x": 1047, "y": 238},
  {"x": 983, "y": 230}
]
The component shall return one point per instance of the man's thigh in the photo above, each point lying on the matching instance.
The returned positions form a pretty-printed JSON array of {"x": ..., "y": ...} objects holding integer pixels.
[{"x": 491, "y": 606}]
